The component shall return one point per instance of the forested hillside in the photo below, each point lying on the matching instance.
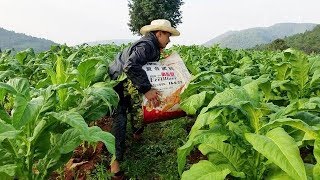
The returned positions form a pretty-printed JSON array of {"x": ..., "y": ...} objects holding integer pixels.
[
  {"x": 248, "y": 38},
  {"x": 19, "y": 41},
  {"x": 308, "y": 42}
]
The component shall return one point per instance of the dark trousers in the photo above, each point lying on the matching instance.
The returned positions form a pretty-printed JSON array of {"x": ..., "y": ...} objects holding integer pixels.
[
  {"x": 120, "y": 117},
  {"x": 119, "y": 124}
]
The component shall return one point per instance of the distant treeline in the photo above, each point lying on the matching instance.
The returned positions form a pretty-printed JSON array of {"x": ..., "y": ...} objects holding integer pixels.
[
  {"x": 19, "y": 41},
  {"x": 308, "y": 42}
]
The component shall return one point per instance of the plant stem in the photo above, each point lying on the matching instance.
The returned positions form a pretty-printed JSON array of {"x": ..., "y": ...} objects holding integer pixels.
[{"x": 257, "y": 164}]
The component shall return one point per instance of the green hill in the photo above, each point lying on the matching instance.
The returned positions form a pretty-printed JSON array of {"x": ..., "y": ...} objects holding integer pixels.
[
  {"x": 19, "y": 41},
  {"x": 308, "y": 42},
  {"x": 249, "y": 38}
]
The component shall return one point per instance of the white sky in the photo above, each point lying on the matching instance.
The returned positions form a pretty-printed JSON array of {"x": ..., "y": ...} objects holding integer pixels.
[{"x": 77, "y": 21}]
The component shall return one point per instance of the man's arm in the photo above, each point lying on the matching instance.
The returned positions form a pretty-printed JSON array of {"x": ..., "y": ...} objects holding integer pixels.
[{"x": 133, "y": 68}]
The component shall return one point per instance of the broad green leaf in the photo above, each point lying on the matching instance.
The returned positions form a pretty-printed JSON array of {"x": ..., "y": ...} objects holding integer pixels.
[
  {"x": 52, "y": 75},
  {"x": 296, "y": 123},
  {"x": 316, "y": 153},
  {"x": 233, "y": 97},
  {"x": 4, "y": 126},
  {"x": 275, "y": 84},
  {"x": 59, "y": 152},
  {"x": 201, "y": 136},
  {"x": 266, "y": 88},
  {"x": 204, "y": 170},
  {"x": 107, "y": 94},
  {"x": 182, "y": 154},
  {"x": 282, "y": 71},
  {"x": 296, "y": 106},
  {"x": 315, "y": 78},
  {"x": 307, "y": 117},
  {"x": 275, "y": 173},
  {"x": 8, "y": 88},
  {"x": 37, "y": 130},
  {"x": 65, "y": 85},
  {"x": 71, "y": 57},
  {"x": 20, "y": 86},
  {"x": 205, "y": 81},
  {"x": 254, "y": 115},
  {"x": 22, "y": 55},
  {"x": 9, "y": 169},
  {"x": 193, "y": 103},
  {"x": 100, "y": 73},
  {"x": 4, "y": 115},
  {"x": 96, "y": 134},
  {"x": 284, "y": 112},
  {"x": 61, "y": 78},
  {"x": 252, "y": 88},
  {"x": 5, "y": 74},
  {"x": 74, "y": 119},
  {"x": 309, "y": 170},
  {"x": 60, "y": 71},
  {"x": 70, "y": 139},
  {"x": 2, "y": 94},
  {"x": 19, "y": 109},
  {"x": 103, "y": 98},
  {"x": 314, "y": 63},
  {"x": 194, "y": 70},
  {"x": 50, "y": 99},
  {"x": 281, "y": 149},
  {"x": 43, "y": 83},
  {"x": 204, "y": 119},
  {"x": 300, "y": 67},
  {"x": 278, "y": 175},
  {"x": 25, "y": 112},
  {"x": 9, "y": 135},
  {"x": 239, "y": 98},
  {"x": 86, "y": 72},
  {"x": 5, "y": 176},
  {"x": 7, "y": 131},
  {"x": 230, "y": 154},
  {"x": 96, "y": 110}
]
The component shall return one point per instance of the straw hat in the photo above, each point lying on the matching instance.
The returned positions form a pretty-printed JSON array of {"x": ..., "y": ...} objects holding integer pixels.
[{"x": 159, "y": 24}]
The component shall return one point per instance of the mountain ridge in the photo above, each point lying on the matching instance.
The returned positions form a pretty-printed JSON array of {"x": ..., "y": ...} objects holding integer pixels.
[
  {"x": 248, "y": 38},
  {"x": 21, "y": 41}
]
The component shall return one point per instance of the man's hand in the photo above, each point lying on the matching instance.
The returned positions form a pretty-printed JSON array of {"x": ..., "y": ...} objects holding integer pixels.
[{"x": 153, "y": 97}]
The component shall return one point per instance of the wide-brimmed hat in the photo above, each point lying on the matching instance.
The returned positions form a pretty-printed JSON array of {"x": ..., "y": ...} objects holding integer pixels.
[{"x": 160, "y": 25}]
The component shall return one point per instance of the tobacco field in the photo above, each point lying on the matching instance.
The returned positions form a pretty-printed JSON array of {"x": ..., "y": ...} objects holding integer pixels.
[{"x": 250, "y": 115}]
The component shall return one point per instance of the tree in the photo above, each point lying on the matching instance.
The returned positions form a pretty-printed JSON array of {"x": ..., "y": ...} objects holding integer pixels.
[
  {"x": 278, "y": 44},
  {"x": 142, "y": 12}
]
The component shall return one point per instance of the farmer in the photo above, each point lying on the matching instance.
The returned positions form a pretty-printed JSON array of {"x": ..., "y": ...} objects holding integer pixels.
[{"x": 130, "y": 61}]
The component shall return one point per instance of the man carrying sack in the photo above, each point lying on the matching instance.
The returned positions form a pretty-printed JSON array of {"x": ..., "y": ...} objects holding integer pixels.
[{"x": 130, "y": 61}]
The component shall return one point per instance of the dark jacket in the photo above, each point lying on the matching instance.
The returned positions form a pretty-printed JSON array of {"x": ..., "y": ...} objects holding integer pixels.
[{"x": 131, "y": 60}]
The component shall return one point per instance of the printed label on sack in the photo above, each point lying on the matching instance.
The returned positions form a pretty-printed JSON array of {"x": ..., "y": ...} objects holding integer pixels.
[{"x": 169, "y": 77}]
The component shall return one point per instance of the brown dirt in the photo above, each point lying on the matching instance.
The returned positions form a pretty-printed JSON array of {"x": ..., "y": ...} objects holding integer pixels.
[
  {"x": 195, "y": 156},
  {"x": 306, "y": 154},
  {"x": 86, "y": 157}
]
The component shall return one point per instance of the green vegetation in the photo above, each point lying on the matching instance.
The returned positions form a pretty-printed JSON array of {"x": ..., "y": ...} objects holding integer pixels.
[
  {"x": 155, "y": 155},
  {"x": 252, "y": 115},
  {"x": 249, "y": 38},
  {"x": 142, "y": 12},
  {"x": 47, "y": 101},
  {"x": 307, "y": 42},
  {"x": 19, "y": 42},
  {"x": 256, "y": 114}
]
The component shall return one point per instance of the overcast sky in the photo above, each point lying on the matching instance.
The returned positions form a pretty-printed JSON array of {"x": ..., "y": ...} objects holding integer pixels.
[{"x": 77, "y": 21}]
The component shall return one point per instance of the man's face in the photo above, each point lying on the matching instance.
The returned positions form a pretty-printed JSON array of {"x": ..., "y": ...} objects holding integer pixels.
[{"x": 163, "y": 38}]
